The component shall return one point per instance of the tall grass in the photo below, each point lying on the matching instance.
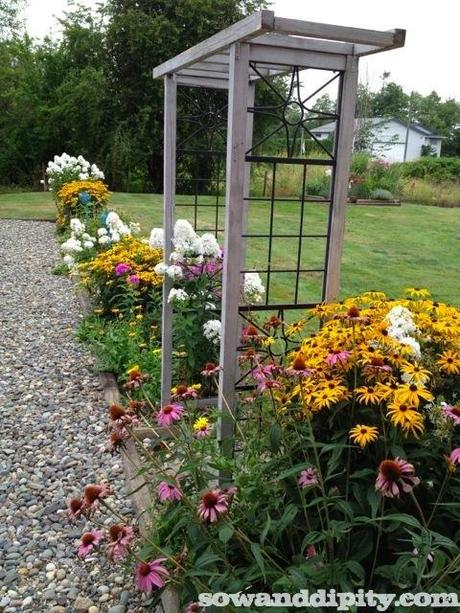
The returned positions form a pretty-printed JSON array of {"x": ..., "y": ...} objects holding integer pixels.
[{"x": 421, "y": 191}]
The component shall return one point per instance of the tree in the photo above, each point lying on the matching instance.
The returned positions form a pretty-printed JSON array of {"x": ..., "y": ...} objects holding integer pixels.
[{"x": 9, "y": 16}]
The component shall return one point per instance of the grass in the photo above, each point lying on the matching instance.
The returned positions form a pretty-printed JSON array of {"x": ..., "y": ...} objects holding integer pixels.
[{"x": 386, "y": 248}]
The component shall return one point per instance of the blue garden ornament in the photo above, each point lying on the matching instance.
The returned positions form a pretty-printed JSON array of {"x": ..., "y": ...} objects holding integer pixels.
[
  {"x": 85, "y": 201},
  {"x": 103, "y": 217}
]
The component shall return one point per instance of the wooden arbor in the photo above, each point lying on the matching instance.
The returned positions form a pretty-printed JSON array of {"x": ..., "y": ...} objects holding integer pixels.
[{"x": 259, "y": 47}]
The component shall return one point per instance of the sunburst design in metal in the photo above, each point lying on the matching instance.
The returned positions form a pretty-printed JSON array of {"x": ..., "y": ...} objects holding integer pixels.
[{"x": 293, "y": 123}]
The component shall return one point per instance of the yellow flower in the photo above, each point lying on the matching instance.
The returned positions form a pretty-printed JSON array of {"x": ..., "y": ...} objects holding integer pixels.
[
  {"x": 363, "y": 435},
  {"x": 369, "y": 395},
  {"x": 201, "y": 424},
  {"x": 98, "y": 311},
  {"x": 406, "y": 417},
  {"x": 268, "y": 341},
  {"x": 449, "y": 362},
  {"x": 417, "y": 292},
  {"x": 415, "y": 374},
  {"x": 156, "y": 351},
  {"x": 411, "y": 394},
  {"x": 295, "y": 327}
]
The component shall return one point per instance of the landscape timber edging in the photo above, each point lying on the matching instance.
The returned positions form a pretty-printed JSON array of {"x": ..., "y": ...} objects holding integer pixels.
[{"x": 140, "y": 495}]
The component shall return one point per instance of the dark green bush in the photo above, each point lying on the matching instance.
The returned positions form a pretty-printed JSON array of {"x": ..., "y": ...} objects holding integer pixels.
[{"x": 433, "y": 169}]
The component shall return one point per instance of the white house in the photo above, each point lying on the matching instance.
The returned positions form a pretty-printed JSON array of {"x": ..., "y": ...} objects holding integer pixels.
[{"x": 386, "y": 137}]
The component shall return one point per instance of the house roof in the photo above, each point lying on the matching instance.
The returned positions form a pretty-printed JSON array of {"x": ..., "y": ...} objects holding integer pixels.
[
  {"x": 272, "y": 40},
  {"x": 376, "y": 121}
]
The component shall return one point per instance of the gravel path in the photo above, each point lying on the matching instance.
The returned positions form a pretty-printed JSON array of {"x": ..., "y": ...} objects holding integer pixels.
[{"x": 52, "y": 434}]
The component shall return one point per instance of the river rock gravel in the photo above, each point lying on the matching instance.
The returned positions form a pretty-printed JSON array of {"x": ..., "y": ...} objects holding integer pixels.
[{"x": 52, "y": 438}]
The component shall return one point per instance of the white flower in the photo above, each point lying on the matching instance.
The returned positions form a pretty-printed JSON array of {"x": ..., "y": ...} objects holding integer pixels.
[
  {"x": 71, "y": 245},
  {"x": 177, "y": 296},
  {"x": 123, "y": 230},
  {"x": 413, "y": 344},
  {"x": 88, "y": 244},
  {"x": 401, "y": 323},
  {"x": 176, "y": 257},
  {"x": 161, "y": 268},
  {"x": 83, "y": 176},
  {"x": 68, "y": 259},
  {"x": 253, "y": 289},
  {"x": 112, "y": 220},
  {"x": 184, "y": 239},
  {"x": 210, "y": 246},
  {"x": 156, "y": 238},
  {"x": 134, "y": 227},
  {"x": 211, "y": 331},
  {"x": 104, "y": 239},
  {"x": 174, "y": 272},
  {"x": 115, "y": 237},
  {"x": 77, "y": 226},
  {"x": 101, "y": 232}
]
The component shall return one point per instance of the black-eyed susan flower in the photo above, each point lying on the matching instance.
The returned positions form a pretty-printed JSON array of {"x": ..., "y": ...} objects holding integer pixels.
[
  {"x": 417, "y": 292},
  {"x": 369, "y": 394},
  {"x": 449, "y": 362},
  {"x": 413, "y": 373},
  {"x": 411, "y": 394},
  {"x": 363, "y": 435},
  {"x": 406, "y": 417}
]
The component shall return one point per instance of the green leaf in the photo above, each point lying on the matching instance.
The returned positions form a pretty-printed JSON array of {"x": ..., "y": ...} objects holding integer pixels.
[
  {"x": 275, "y": 437},
  {"x": 257, "y": 553},
  {"x": 226, "y": 533},
  {"x": 265, "y": 531}
]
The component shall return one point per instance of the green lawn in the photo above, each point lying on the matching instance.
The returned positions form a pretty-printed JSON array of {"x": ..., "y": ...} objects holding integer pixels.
[{"x": 386, "y": 248}]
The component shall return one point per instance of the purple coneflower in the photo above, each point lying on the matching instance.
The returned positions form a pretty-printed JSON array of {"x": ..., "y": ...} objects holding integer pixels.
[
  {"x": 337, "y": 357},
  {"x": 308, "y": 477},
  {"x": 121, "y": 538},
  {"x": 213, "y": 503},
  {"x": 455, "y": 456},
  {"x": 168, "y": 414},
  {"x": 93, "y": 494},
  {"x": 150, "y": 575},
  {"x": 133, "y": 280},
  {"x": 193, "y": 607},
  {"x": 210, "y": 369},
  {"x": 88, "y": 541},
  {"x": 166, "y": 492},
  {"x": 75, "y": 508},
  {"x": 453, "y": 412},
  {"x": 395, "y": 475}
]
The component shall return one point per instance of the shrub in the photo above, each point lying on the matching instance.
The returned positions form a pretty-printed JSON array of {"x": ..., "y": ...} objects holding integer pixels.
[
  {"x": 382, "y": 194},
  {"x": 65, "y": 168},
  {"x": 433, "y": 169},
  {"x": 346, "y": 471}
]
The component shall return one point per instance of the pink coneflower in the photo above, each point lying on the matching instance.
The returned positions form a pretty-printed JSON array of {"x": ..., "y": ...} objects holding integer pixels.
[
  {"x": 193, "y": 607},
  {"x": 453, "y": 412},
  {"x": 455, "y": 456},
  {"x": 117, "y": 439},
  {"x": 121, "y": 538},
  {"x": 395, "y": 475},
  {"x": 122, "y": 269},
  {"x": 210, "y": 369},
  {"x": 93, "y": 494},
  {"x": 75, "y": 508},
  {"x": 337, "y": 357},
  {"x": 167, "y": 491},
  {"x": 88, "y": 541},
  {"x": 311, "y": 552},
  {"x": 298, "y": 368},
  {"x": 168, "y": 414},
  {"x": 185, "y": 392},
  {"x": 150, "y": 575},
  {"x": 250, "y": 334},
  {"x": 308, "y": 477},
  {"x": 268, "y": 384},
  {"x": 213, "y": 503},
  {"x": 133, "y": 280}
]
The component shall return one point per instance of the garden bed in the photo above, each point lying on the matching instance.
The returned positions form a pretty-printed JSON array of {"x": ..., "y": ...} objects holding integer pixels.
[{"x": 370, "y": 201}]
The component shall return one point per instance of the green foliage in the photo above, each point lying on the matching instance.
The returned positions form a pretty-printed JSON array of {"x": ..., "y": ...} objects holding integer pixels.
[
  {"x": 120, "y": 343},
  {"x": 434, "y": 169}
]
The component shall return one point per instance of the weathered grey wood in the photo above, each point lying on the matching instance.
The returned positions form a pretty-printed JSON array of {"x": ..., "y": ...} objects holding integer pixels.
[
  {"x": 276, "y": 39},
  {"x": 205, "y": 74},
  {"x": 242, "y": 30},
  {"x": 234, "y": 215},
  {"x": 247, "y": 170},
  {"x": 189, "y": 81},
  {"x": 345, "y": 129},
  {"x": 170, "y": 111},
  {"x": 332, "y": 32},
  {"x": 297, "y": 57},
  {"x": 398, "y": 41}
]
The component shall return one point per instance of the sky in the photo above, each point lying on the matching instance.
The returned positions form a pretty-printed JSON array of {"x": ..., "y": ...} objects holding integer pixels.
[{"x": 429, "y": 60}]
